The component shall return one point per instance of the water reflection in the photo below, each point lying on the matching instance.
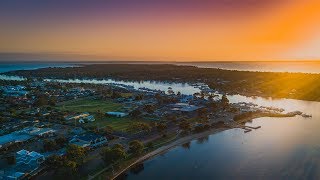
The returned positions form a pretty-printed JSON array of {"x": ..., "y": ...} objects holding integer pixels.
[
  {"x": 186, "y": 145},
  {"x": 202, "y": 140},
  {"x": 136, "y": 169},
  {"x": 284, "y": 148},
  {"x": 183, "y": 88}
]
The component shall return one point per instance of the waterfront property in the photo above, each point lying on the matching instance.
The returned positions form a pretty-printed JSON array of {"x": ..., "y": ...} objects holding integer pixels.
[
  {"x": 185, "y": 108},
  {"x": 89, "y": 140},
  {"x": 26, "y": 163},
  {"x": 24, "y": 135},
  {"x": 12, "y": 138}
]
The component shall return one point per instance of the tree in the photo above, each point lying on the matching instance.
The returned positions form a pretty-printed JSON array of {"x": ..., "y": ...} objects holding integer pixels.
[
  {"x": 41, "y": 101},
  {"x": 75, "y": 153},
  {"x": 108, "y": 129},
  {"x": 149, "y": 108},
  {"x": 136, "y": 147},
  {"x": 115, "y": 95},
  {"x": 63, "y": 166},
  {"x": 145, "y": 127},
  {"x": 172, "y": 118},
  {"x": 185, "y": 125},
  {"x": 139, "y": 97},
  {"x": 118, "y": 146},
  {"x": 202, "y": 112},
  {"x": 135, "y": 113},
  {"x": 139, "y": 126},
  {"x": 150, "y": 145},
  {"x": 213, "y": 105},
  {"x": 161, "y": 127},
  {"x": 99, "y": 114},
  {"x": 53, "y": 101},
  {"x": 11, "y": 160},
  {"x": 225, "y": 101},
  {"x": 70, "y": 167},
  {"x": 49, "y": 145},
  {"x": 54, "y": 161},
  {"x": 61, "y": 141},
  {"x": 112, "y": 155}
]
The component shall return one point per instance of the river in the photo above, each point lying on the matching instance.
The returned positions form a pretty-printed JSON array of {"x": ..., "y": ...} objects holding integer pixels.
[{"x": 284, "y": 148}]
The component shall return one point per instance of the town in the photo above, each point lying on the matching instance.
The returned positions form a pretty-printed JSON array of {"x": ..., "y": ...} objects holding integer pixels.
[{"x": 54, "y": 129}]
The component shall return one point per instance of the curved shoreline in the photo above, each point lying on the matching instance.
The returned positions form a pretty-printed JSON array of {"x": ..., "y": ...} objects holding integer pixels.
[{"x": 165, "y": 148}]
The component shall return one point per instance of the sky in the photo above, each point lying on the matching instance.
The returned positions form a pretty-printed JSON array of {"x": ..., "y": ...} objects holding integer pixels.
[{"x": 160, "y": 30}]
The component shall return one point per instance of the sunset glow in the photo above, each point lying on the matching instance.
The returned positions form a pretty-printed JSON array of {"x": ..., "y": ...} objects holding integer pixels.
[{"x": 188, "y": 30}]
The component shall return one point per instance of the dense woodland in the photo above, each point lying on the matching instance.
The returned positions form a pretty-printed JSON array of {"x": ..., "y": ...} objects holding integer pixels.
[{"x": 266, "y": 84}]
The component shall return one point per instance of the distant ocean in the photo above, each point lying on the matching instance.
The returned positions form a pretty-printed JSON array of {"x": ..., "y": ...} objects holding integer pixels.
[
  {"x": 6, "y": 66},
  {"x": 298, "y": 66},
  {"x": 279, "y": 66}
]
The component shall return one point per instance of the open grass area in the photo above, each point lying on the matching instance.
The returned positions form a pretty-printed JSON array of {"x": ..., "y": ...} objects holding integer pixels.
[
  {"x": 117, "y": 124},
  {"x": 89, "y": 105},
  {"x": 93, "y": 106}
]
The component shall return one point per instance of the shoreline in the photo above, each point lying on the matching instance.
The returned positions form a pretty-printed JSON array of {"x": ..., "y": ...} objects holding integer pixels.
[
  {"x": 165, "y": 148},
  {"x": 183, "y": 140}
]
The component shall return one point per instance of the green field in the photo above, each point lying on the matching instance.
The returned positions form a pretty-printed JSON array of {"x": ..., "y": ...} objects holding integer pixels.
[
  {"x": 89, "y": 105},
  {"x": 117, "y": 124},
  {"x": 93, "y": 106}
]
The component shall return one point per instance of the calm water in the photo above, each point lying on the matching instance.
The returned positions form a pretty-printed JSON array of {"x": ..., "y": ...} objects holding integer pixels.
[
  {"x": 6, "y": 67},
  {"x": 284, "y": 148},
  {"x": 298, "y": 66},
  {"x": 184, "y": 88}
]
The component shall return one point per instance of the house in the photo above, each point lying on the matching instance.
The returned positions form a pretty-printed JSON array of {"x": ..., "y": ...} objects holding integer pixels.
[
  {"x": 26, "y": 163},
  {"x": 89, "y": 118},
  {"x": 184, "y": 107},
  {"x": 15, "y": 176},
  {"x": 186, "y": 98},
  {"x": 24, "y": 135},
  {"x": 33, "y": 158},
  {"x": 77, "y": 117},
  {"x": 77, "y": 130},
  {"x": 89, "y": 140},
  {"x": 14, "y": 137},
  {"x": 39, "y": 132},
  {"x": 117, "y": 114},
  {"x": 15, "y": 91}
]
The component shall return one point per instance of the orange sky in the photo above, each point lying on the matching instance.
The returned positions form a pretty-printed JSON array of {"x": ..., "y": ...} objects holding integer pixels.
[{"x": 282, "y": 31}]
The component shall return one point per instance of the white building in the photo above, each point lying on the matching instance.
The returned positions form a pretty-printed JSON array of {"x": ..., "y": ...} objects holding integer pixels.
[
  {"x": 32, "y": 159},
  {"x": 77, "y": 117},
  {"x": 89, "y": 140},
  {"x": 117, "y": 114}
]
